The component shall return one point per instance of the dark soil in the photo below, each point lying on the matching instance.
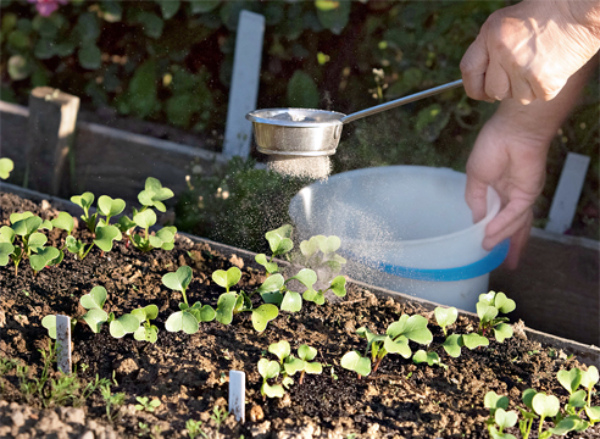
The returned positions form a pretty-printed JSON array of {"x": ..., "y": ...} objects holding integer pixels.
[{"x": 189, "y": 374}]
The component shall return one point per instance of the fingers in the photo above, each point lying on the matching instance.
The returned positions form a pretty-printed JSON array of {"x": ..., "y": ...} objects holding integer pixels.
[
  {"x": 516, "y": 215},
  {"x": 476, "y": 197},
  {"x": 473, "y": 67},
  {"x": 497, "y": 83}
]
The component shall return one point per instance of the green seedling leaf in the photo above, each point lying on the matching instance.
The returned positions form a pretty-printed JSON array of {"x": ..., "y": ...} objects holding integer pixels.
[
  {"x": 227, "y": 279},
  {"x": 144, "y": 219},
  {"x": 504, "y": 304},
  {"x": 422, "y": 356},
  {"x": 126, "y": 324},
  {"x": 566, "y": 425},
  {"x": 487, "y": 298},
  {"x": 570, "y": 380},
  {"x": 182, "y": 321},
  {"x": 268, "y": 369},
  {"x": 527, "y": 397},
  {"x": 316, "y": 297},
  {"x": 307, "y": 353},
  {"x": 26, "y": 226},
  {"x": 149, "y": 312},
  {"x": 84, "y": 200},
  {"x": 547, "y": 406},
  {"x": 310, "y": 247},
  {"x": 95, "y": 299},
  {"x": 306, "y": 277},
  {"x": 49, "y": 322},
  {"x": 338, "y": 286},
  {"x": 125, "y": 224},
  {"x": 146, "y": 333},
  {"x": 7, "y": 234},
  {"x": 314, "y": 368},
  {"x": 95, "y": 318},
  {"x": 202, "y": 313},
  {"x": 397, "y": 346},
  {"x": 502, "y": 332},
  {"x": 110, "y": 207},
  {"x": 18, "y": 216},
  {"x": 279, "y": 240},
  {"x": 577, "y": 399},
  {"x": 64, "y": 221},
  {"x": 166, "y": 237},
  {"x": 281, "y": 349},
  {"x": 272, "y": 391},
  {"x": 545, "y": 435},
  {"x": 589, "y": 378},
  {"x": 179, "y": 280},
  {"x": 262, "y": 315},
  {"x": 354, "y": 361},
  {"x": 453, "y": 344},
  {"x": 593, "y": 413},
  {"x": 74, "y": 245},
  {"x": 6, "y": 249},
  {"x": 225, "y": 307},
  {"x": 472, "y": 341},
  {"x": 43, "y": 257},
  {"x": 6, "y": 167},
  {"x": 329, "y": 244},
  {"x": 154, "y": 194},
  {"x": 272, "y": 284},
  {"x": 493, "y": 401},
  {"x": 293, "y": 365},
  {"x": 37, "y": 241},
  {"x": 292, "y": 302},
  {"x": 445, "y": 316},
  {"x": 505, "y": 419},
  {"x": 270, "y": 267},
  {"x": 105, "y": 236},
  {"x": 414, "y": 328},
  {"x": 486, "y": 313}
]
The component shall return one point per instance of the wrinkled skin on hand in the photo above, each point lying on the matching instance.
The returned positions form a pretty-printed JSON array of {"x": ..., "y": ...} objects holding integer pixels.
[
  {"x": 513, "y": 162},
  {"x": 528, "y": 51}
]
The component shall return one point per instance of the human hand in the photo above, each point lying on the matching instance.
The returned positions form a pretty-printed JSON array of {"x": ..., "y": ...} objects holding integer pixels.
[
  {"x": 528, "y": 51},
  {"x": 512, "y": 160}
]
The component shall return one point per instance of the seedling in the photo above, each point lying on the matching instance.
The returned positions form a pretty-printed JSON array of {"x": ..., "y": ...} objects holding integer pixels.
[
  {"x": 85, "y": 201},
  {"x": 148, "y": 331},
  {"x": 112, "y": 400},
  {"x": 269, "y": 370},
  {"x": 290, "y": 365},
  {"x": 187, "y": 319},
  {"x": 93, "y": 302},
  {"x": 488, "y": 308},
  {"x": 145, "y": 404},
  {"x": 6, "y": 167},
  {"x": 319, "y": 253},
  {"x": 395, "y": 341},
  {"x": 30, "y": 243},
  {"x": 194, "y": 429}
]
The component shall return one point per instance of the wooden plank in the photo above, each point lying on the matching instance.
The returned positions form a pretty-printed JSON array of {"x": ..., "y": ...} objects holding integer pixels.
[
  {"x": 50, "y": 134},
  {"x": 116, "y": 163},
  {"x": 244, "y": 84},
  {"x": 556, "y": 287},
  {"x": 566, "y": 197},
  {"x": 13, "y": 126}
]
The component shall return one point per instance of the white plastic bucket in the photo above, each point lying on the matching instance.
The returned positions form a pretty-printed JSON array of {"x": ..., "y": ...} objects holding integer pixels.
[{"x": 404, "y": 228}]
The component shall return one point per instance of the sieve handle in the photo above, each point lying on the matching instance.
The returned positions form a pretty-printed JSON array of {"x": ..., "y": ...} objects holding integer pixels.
[{"x": 401, "y": 101}]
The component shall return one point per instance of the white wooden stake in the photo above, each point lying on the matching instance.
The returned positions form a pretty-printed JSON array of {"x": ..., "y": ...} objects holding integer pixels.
[
  {"x": 237, "y": 394},
  {"x": 244, "y": 84},
  {"x": 63, "y": 343},
  {"x": 566, "y": 197}
]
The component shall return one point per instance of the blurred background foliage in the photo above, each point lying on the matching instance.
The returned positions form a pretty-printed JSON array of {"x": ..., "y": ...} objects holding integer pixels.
[{"x": 170, "y": 61}]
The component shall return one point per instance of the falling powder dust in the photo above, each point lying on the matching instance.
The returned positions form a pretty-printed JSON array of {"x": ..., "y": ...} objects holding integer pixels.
[{"x": 316, "y": 168}]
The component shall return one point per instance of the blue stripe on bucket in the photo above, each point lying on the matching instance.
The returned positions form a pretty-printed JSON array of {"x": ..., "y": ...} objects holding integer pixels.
[{"x": 491, "y": 261}]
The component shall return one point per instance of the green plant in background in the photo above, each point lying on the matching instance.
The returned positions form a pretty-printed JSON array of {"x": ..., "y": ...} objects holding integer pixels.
[
  {"x": 541, "y": 406},
  {"x": 6, "y": 167}
]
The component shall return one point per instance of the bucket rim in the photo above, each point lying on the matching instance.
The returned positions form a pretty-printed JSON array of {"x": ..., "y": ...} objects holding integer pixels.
[{"x": 492, "y": 211}]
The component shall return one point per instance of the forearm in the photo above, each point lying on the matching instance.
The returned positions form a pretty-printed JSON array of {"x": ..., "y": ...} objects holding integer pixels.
[{"x": 542, "y": 119}]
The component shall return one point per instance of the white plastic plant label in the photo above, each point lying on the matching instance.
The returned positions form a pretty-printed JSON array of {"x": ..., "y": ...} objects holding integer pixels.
[
  {"x": 63, "y": 343},
  {"x": 237, "y": 395}
]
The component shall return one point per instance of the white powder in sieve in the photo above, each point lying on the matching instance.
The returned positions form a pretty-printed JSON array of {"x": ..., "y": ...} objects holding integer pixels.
[{"x": 316, "y": 168}]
